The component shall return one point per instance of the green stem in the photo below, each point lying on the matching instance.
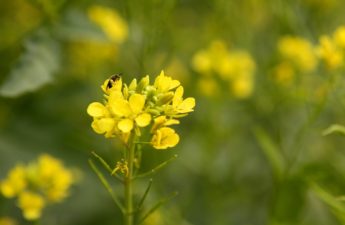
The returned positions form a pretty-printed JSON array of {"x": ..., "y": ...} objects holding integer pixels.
[{"x": 128, "y": 216}]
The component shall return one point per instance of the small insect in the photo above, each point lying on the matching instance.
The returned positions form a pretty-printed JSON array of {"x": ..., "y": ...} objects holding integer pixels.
[{"x": 113, "y": 79}]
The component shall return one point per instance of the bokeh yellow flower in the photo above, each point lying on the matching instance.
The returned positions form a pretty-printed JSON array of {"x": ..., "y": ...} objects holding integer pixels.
[
  {"x": 299, "y": 51},
  {"x": 37, "y": 184},
  {"x": 330, "y": 53},
  {"x": 110, "y": 21},
  {"x": 236, "y": 67},
  {"x": 15, "y": 182},
  {"x": 31, "y": 205},
  {"x": 339, "y": 37}
]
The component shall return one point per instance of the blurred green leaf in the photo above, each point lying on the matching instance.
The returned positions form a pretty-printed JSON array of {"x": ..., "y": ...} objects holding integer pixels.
[
  {"x": 271, "y": 151},
  {"x": 35, "y": 67},
  {"x": 337, "y": 206},
  {"x": 335, "y": 128}
]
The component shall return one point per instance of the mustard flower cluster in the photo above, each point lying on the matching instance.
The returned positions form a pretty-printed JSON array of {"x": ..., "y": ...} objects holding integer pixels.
[
  {"x": 299, "y": 55},
  {"x": 130, "y": 108},
  {"x": 331, "y": 49},
  {"x": 236, "y": 67},
  {"x": 37, "y": 184}
]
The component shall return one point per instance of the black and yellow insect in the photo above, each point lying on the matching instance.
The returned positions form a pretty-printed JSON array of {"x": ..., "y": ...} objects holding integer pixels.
[{"x": 113, "y": 79}]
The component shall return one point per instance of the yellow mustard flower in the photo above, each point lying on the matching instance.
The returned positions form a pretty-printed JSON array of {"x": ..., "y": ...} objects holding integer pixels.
[
  {"x": 242, "y": 87},
  {"x": 339, "y": 37},
  {"x": 131, "y": 112},
  {"x": 299, "y": 51},
  {"x": 165, "y": 83},
  {"x": 14, "y": 183},
  {"x": 54, "y": 179},
  {"x": 202, "y": 62},
  {"x": 37, "y": 184},
  {"x": 110, "y": 21},
  {"x": 232, "y": 66},
  {"x": 164, "y": 138},
  {"x": 134, "y": 106},
  {"x": 103, "y": 121},
  {"x": 236, "y": 64},
  {"x": 329, "y": 53},
  {"x": 179, "y": 107},
  {"x": 31, "y": 204}
]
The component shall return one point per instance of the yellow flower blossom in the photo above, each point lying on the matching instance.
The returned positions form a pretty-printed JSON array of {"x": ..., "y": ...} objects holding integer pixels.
[
  {"x": 15, "y": 182},
  {"x": 54, "y": 179},
  {"x": 180, "y": 107},
  {"x": 103, "y": 121},
  {"x": 131, "y": 107},
  {"x": 164, "y": 138},
  {"x": 328, "y": 51},
  {"x": 202, "y": 63},
  {"x": 299, "y": 51},
  {"x": 339, "y": 37},
  {"x": 242, "y": 87},
  {"x": 236, "y": 64},
  {"x": 110, "y": 21},
  {"x": 37, "y": 184},
  {"x": 130, "y": 112},
  {"x": 164, "y": 83},
  {"x": 233, "y": 67},
  {"x": 31, "y": 204}
]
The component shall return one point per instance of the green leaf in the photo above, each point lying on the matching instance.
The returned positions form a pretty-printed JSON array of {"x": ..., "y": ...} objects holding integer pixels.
[
  {"x": 271, "y": 151},
  {"x": 335, "y": 128},
  {"x": 35, "y": 67},
  {"x": 337, "y": 206}
]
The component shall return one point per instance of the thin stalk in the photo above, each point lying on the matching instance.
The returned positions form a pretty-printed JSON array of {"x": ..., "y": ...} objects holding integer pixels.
[
  {"x": 128, "y": 216},
  {"x": 157, "y": 168},
  {"x": 106, "y": 185}
]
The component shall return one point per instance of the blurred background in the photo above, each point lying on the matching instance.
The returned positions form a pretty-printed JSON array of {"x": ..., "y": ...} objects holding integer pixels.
[{"x": 267, "y": 75}]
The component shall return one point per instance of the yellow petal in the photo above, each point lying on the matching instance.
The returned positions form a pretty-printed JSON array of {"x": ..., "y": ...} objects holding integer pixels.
[
  {"x": 187, "y": 105},
  {"x": 103, "y": 125},
  {"x": 96, "y": 109},
  {"x": 178, "y": 96},
  {"x": 143, "y": 120},
  {"x": 174, "y": 84},
  {"x": 125, "y": 125},
  {"x": 137, "y": 103},
  {"x": 120, "y": 107}
]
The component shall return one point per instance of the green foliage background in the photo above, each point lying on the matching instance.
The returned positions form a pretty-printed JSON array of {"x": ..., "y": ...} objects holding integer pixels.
[{"x": 256, "y": 161}]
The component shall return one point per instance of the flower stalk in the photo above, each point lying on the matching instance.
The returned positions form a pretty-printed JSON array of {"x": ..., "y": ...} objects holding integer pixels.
[
  {"x": 128, "y": 183},
  {"x": 136, "y": 114}
]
